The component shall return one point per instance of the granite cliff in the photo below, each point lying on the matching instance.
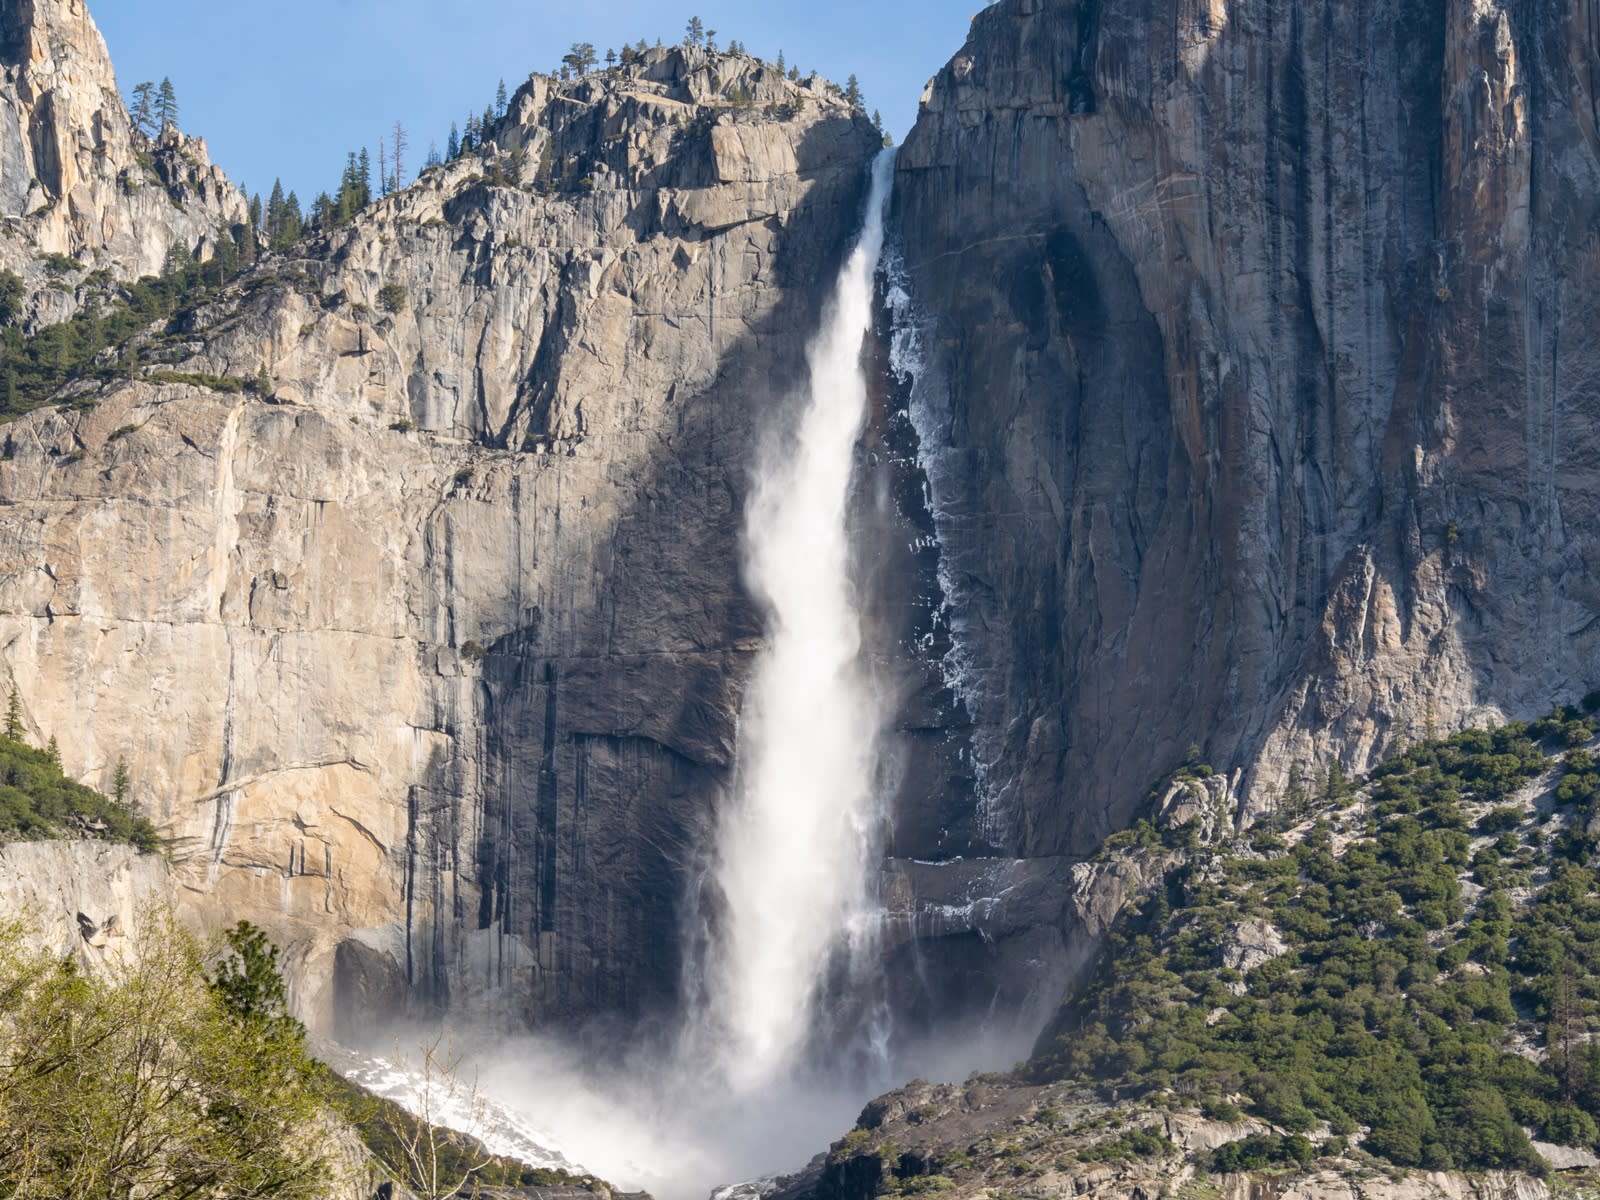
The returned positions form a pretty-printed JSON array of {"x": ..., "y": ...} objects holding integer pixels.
[
  {"x": 427, "y": 658},
  {"x": 1236, "y": 393},
  {"x": 1256, "y": 388},
  {"x": 77, "y": 181}
]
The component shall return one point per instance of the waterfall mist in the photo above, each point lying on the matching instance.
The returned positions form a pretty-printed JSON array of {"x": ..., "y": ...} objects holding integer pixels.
[{"x": 784, "y": 1035}]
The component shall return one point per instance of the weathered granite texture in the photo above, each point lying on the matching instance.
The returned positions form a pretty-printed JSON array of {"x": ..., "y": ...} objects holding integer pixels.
[
  {"x": 429, "y": 659},
  {"x": 81, "y": 900},
  {"x": 1259, "y": 397},
  {"x": 76, "y": 179}
]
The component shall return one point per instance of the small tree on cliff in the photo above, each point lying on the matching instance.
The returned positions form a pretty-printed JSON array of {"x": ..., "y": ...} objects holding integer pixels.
[
  {"x": 14, "y": 716},
  {"x": 166, "y": 106},
  {"x": 144, "y": 108}
]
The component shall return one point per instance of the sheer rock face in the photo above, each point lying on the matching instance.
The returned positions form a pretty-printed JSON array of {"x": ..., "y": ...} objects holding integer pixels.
[
  {"x": 1259, "y": 391},
  {"x": 429, "y": 659},
  {"x": 76, "y": 179},
  {"x": 81, "y": 900}
]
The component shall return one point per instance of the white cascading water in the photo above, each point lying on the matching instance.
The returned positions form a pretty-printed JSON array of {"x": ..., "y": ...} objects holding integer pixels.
[
  {"x": 741, "y": 1092},
  {"x": 796, "y": 847}
]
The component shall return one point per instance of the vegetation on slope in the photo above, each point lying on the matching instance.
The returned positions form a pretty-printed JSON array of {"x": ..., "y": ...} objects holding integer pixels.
[
  {"x": 102, "y": 341},
  {"x": 38, "y": 802},
  {"x": 154, "y": 1080},
  {"x": 1442, "y": 972},
  {"x": 184, "y": 1071}
]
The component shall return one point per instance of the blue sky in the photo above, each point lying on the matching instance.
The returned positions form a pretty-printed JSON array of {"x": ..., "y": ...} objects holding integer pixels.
[{"x": 285, "y": 88}]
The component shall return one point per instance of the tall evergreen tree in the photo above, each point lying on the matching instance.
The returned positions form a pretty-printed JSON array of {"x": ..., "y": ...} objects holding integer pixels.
[
  {"x": 852, "y": 91},
  {"x": 452, "y": 148},
  {"x": 580, "y": 58},
  {"x": 143, "y": 112},
  {"x": 322, "y": 211},
  {"x": 500, "y": 99},
  {"x": 611, "y": 57},
  {"x": 167, "y": 105},
  {"x": 274, "y": 216},
  {"x": 781, "y": 64},
  {"x": 13, "y": 729},
  {"x": 694, "y": 33}
]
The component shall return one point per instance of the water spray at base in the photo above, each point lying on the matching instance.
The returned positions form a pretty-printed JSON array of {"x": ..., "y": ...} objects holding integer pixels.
[
  {"x": 796, "y": 847},
  {"x": 754, "y": 1083}
]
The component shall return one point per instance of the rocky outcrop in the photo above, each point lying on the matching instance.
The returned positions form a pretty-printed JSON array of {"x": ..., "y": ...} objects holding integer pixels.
[
  {"x": 81, "y": 900},
  {"x": 77, "y": 181},
  {"x": 1256, "y": 388},
  {"x": 990, "y": 1135},
  {"x": 428, "y": 659}
]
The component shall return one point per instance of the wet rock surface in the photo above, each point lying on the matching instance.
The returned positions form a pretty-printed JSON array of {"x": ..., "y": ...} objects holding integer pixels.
[{"x": 1258, "y": 404}]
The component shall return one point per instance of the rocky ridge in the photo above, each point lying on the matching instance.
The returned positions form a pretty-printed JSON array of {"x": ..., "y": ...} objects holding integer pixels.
[
  {"x": 80, "y": 188},
  {"x": 398, "y": 653}
]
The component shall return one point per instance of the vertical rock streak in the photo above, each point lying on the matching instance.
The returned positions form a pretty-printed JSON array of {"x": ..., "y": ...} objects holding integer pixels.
[{"x": 796, "y": 846}]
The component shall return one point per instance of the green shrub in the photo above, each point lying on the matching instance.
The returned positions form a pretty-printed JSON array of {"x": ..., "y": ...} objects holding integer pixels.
[{"x": 1397, "y": 1006}]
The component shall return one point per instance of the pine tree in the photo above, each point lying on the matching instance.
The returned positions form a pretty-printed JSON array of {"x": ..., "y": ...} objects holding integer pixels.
[
  {"x": 852, "y": 91},
  {"x": 611, "y": 58},
  {"x": 711, "y": 39},
  {"x": 144, "y": 107},
  {"x": 14, "y": 716},
  {"x": 433, "y": 159},
  {"x": 274, "y": 216},
  {"x": 364, "y": 177},
  {"x": 500, "y": 99},
  {"x": 291, "y": 220},
  {"x": 53, "y": 751},
  {"x": 322, "y": 211},
  {"x": 452, "y": 148},
  {"x": 120, "y": 782},
  {"x": 694, "y": 33},
  {"x": 781, "y": 64},
  {"x": 256, "y": 211},
  {"x": 167, "y": 105}
]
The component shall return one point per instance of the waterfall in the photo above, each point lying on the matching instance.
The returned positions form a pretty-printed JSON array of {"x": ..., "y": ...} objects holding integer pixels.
[
  {"x": 797, "y": 844},
  {"x": 753, "y": 1081}
]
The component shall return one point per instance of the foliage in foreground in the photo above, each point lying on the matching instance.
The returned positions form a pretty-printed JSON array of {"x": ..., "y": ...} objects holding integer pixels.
[
  {"x": 149, "y": 1081},
  {"x": 38, "y": 801},
  {"x": 1442, "y": 978}
]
